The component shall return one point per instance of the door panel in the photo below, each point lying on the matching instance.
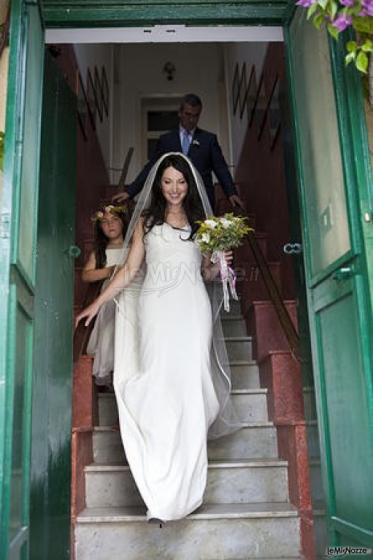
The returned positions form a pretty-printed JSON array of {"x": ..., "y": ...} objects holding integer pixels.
[
  {"x": 344, "y": 375},
  {"x": 17, "y": 286},
  {"x": 36, "y": 286},
  {"x": 318, "y": 133},
  {"x": 51, "y": 430},
  {"x": 337, "y": 288},
  {"x": 31, "y": 140}
]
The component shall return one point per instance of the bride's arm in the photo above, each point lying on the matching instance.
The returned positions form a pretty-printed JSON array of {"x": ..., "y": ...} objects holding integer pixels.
[
  {"x": 211, "y": 270},
  {"x": 122, "y": 278}
]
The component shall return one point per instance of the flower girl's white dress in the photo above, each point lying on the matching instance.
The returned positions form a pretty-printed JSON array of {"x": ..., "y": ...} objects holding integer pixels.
[{"x": 101, "y": 341}]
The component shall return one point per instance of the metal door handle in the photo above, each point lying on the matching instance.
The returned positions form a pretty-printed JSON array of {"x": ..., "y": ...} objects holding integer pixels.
[
  {"x": 343, "y": 273},
  {"x": 73, "y": 251},
  {"x": 292, "y": 248}
]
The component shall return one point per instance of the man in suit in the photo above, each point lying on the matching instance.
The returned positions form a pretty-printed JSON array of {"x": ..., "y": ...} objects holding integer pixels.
[{"x": 199, "y": 145}]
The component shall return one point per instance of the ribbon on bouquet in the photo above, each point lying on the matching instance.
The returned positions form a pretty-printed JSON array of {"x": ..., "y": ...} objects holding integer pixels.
[{"x": 228, "y": 277}]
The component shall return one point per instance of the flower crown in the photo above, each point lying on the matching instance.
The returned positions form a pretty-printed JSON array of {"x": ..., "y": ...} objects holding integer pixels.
[{"x": 110, "y": 208}]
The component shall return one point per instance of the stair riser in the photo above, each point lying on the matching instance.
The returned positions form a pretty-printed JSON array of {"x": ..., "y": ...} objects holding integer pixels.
[
  {"x": 239, "y": 350},
  {"x": 234, "y": 309},
  {"x": 245, "y": 377},
  {"x": 224, "y": 486},
  {"x": 250, "y": 407},
  {"x": 211, "y": 539},
  {"x": 234, "y": 327},
  {"x": 255, "y": 442}
]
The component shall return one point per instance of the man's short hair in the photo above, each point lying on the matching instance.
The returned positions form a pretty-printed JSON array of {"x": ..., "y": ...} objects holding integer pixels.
[{"x": 191, "y": 99}]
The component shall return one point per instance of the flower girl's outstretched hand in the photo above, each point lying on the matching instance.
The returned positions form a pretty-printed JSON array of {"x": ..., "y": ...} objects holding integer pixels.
[{"x": 89, "y": 313}]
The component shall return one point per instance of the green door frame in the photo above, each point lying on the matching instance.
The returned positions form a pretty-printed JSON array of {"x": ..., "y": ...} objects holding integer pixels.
[{"x": 91, "y": 13}]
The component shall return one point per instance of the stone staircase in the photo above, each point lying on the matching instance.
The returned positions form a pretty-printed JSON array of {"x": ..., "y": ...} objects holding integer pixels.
[{"x": 246, "y": 512}]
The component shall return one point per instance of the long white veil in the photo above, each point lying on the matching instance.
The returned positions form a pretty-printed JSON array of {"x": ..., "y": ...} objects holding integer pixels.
[{"x": 227, "y": 420}]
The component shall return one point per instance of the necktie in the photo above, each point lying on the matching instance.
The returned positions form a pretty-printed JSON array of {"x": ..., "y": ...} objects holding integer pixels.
[{"x": 185, "y": 142}]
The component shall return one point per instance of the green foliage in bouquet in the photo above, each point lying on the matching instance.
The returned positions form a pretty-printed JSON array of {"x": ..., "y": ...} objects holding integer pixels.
[{"x": 221, "y": 233}]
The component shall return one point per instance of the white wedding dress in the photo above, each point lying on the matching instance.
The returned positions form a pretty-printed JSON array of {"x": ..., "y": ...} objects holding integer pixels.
[{"x": 162, "y": 375}]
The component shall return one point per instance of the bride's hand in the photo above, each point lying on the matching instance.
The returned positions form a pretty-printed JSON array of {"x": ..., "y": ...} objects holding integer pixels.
[{"x": 89, "y": 312}]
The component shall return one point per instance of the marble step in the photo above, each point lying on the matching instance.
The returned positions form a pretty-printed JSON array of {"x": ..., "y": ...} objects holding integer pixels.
[
  {"x": 247, "y": 481},
  {"x": 256, "y": 441},
  {"x": 234, "y": 309},
  {"x": 251, "y": 406},
  {"x": 245, "y": 374},
  {"x": 213, "y": 532},
  {"x": 234, "y": 325},
  {"x": 239, "y": 348}
]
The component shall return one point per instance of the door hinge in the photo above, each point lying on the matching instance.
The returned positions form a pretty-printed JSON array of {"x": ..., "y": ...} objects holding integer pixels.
[{"x": 5, "y": 225}]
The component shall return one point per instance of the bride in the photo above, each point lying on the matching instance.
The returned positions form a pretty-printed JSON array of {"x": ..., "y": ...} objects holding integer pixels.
[{"x": 171, "y": 373}]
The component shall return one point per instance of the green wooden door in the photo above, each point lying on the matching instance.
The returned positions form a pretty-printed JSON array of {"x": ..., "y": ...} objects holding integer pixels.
[
  {"x": 337, "y": 280},
  {"x": 53, "y": 311},
  {"x": 36, "y": 289},
  {"x": 18, "y": 231}
]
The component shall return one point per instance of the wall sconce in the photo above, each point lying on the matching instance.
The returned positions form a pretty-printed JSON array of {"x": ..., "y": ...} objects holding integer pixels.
[{"x": 169, "y": 69}]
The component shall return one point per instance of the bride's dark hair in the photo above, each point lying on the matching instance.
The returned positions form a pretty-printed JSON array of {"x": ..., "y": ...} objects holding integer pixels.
[{"x": 192, "y": 204}]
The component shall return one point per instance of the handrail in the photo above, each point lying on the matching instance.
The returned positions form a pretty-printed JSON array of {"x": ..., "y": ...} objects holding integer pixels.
[
  {"x": 274, "y": 294},
  {"x": 82, "y": 333},
  {"x": 125, "y": 168}
]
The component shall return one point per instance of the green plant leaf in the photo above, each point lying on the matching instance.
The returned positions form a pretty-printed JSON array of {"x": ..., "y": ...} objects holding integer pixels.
[
  {"x": 311, "y": 10},
  {"x": 333, "y": 31},
  {"x": 367, "y": 46},
  {"x": 333, "y": 9},
  {"x": 362, "y": 61},
  {"x": 351, "y": 46},
  {"x": 323, "y": 3},
  {"x": 350, "y": 57},
  {"x": 363, "y": 24},
  {"x": 318, "y": 20}
]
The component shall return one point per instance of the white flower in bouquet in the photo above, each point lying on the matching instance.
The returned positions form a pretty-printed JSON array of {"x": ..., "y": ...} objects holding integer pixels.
[
  {"x": 216, "y": 235},
  {"x": 211, "y": 224},
  {"x": 225, "y": 223},
  {"x": 224, "y": 233}
]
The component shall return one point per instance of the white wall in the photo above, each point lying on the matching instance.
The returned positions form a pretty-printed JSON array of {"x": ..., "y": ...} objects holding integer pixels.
[
  {"x": 199, "y": 69},
  {"x": 135, "y": 73},
  {"x": 89, "y": 56},
  {"x": 251, "y": 53}
]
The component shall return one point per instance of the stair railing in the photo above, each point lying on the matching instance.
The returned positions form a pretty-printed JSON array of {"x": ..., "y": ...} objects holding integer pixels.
[
  {"x": 82, "y": 333},
  {"x": 274, "y": 294}
]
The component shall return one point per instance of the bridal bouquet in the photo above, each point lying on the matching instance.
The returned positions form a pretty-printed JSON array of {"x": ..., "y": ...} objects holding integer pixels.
[{"x": 216, "y": 235}]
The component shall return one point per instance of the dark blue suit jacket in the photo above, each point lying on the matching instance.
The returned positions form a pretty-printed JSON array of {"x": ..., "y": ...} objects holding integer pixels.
[{"x": 204, "y": 152}]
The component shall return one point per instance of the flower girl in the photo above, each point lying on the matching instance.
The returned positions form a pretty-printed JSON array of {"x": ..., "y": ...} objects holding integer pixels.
[{"x": 109, "y": 226}]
